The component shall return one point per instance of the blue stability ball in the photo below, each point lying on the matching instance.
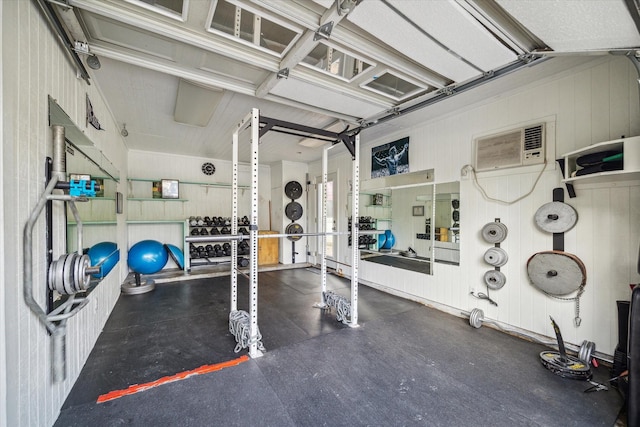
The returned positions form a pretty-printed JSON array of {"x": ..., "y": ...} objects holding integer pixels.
[
  {"x": 390, "y": 240},
  {"x": 104, "y": 254},
  {"x": 382, "y": 239},
  {"x": 176, "y": 254},
  {"x": 147, "y": 257}
]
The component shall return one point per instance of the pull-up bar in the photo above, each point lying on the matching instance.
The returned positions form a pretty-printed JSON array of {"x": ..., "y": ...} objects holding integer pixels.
[{"x": 268, "y": 124}]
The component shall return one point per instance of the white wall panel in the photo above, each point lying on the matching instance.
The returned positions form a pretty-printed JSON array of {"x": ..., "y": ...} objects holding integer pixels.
[
  {"x": 594, "y": 103},
  {"x": 33, "y": 67}
]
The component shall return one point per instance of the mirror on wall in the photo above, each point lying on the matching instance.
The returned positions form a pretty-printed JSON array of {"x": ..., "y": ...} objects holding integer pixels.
[
  {"x": 85, "y": 161},
  {"x": 425, "y": 221},
  {"x": 405, "y": 208}
]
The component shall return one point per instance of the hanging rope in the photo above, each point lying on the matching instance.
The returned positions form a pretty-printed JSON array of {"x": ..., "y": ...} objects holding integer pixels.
[
  {"x": 239, "y": 327},
  {"x": 340, "y": 303}
]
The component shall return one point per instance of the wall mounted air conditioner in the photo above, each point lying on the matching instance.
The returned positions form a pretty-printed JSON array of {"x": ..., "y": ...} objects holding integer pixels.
[{"x": 518, "y": 147}]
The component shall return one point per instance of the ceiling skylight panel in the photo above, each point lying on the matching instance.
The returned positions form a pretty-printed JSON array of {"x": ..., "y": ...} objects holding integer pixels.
[
  {"x": 576, "y": 25},
  {"x": 326, "y": 98},
  {"x": 171, "y": 8},
  {"x": 240, "y": 23},
  {"x": 452, "y": 26},
  {"x": 390, "y": 85},
  {"x": 335, "y": 62},
  {"x": 380, "y": 21}
]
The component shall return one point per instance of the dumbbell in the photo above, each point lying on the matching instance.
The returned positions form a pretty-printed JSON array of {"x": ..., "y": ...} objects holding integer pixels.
[
  {"x": 225, "y": 230},
  {"x": 192, "y": 221},
  {"x": 195, "y": 232},
  {"x": 204, "y": 232},
  {"x": 217, "y": 249},
  {"x": 215, "y": 231},
  {"x": 207, "y": 221},
  {"x": 199, "y": 221},
  {"x": 243, "y": 262}
]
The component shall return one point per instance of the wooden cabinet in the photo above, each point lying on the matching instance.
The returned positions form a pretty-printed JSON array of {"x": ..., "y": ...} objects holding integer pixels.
[{"x": 268, "y": 249}]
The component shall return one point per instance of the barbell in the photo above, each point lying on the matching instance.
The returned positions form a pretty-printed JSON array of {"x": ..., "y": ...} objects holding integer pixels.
[{"x": 586, "y": 350}]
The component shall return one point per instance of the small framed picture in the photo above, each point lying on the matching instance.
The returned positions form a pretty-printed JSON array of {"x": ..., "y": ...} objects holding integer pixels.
[
  {"x": 418, "y": 211},
  {"x": 170, "y": 189}
]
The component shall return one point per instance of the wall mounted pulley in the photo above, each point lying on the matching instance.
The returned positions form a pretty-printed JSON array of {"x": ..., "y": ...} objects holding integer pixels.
[
  {"x": 556, "y": 217},
  {"x": 293, "y": 211}
]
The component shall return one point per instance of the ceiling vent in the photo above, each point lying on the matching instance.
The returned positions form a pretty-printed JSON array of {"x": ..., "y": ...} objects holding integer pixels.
[{"x": 518, "y": 147}]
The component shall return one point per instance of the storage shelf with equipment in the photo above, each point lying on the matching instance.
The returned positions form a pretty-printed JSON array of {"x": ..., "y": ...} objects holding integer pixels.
[{"x": 611, "y": 161}]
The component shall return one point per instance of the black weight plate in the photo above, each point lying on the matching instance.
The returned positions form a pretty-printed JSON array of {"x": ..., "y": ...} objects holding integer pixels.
[
  {"x": 294, "y": 228},
  {"x": 293, "y": 211},
  {"x": 293, "y": 190}
]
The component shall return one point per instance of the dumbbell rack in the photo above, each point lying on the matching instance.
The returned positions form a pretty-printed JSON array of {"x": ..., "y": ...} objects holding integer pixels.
[
  {"x": 215, "y": 252},
  {"x": 364, "y": 240}
]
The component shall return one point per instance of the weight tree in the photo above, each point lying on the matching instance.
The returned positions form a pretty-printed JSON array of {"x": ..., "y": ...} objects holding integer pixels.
[{"x": 259, "y": 126}]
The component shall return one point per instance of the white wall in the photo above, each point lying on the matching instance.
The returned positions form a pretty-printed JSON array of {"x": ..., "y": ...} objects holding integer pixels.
[
  {"x": 200, "y": 200},
  {"x": 34, "y": 66},
  {"x": 591, "y": 103}
]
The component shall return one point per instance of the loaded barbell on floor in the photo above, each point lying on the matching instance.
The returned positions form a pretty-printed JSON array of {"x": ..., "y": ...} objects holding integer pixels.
[{"x": 476, "y": 319}]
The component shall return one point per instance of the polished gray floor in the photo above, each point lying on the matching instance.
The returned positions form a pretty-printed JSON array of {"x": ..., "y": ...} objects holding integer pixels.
[{"x": 406, "y": 364}]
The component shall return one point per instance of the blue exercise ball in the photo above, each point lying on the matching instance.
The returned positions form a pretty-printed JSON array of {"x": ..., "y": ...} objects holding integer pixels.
[
  {"x": 104, "y": 254},
  {"x": 176, "y": 254},
  {"x": 147, "y": 257},
  {"x": 382, "y": 238},
  {"x": 390, "y": 240}
]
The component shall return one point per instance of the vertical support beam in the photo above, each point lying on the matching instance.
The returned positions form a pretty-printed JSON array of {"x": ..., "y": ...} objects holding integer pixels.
[
  {"x": 236, "y": 22},
  {"x": 253, "y": 234},
  {"x": 234, "y": 187},
  {"x": 323, "y": 239},
  {"x": 257, "y": 29},
  {"x": 355, "y": 231}
]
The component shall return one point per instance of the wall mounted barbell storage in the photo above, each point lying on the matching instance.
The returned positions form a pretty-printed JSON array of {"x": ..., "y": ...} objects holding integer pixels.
[
  {"x": 293, "y": 211},
  {"x": 496, "y": 256},
  {"x": 494, "y": 232},
  {"x": 71, "y": 273},
  {"x": 556, "y": 217},
  {"x": 293, "y": 190},
  {"x": 556, "y": 272},
  {"x": 494, "y": 279}
]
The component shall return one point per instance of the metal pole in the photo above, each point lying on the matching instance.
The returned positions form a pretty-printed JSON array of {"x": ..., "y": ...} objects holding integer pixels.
[
  {"x": 253, "y": 271},
  {"x": 234, "y": 184},
  {"x": 323, "y": 249},
  {"x": 355, "y": 232}
]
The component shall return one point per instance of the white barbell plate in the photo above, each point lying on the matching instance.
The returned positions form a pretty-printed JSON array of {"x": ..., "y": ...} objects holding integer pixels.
[
  {"x": 556, "y": 273},
  {"x": 556, "y": 217},
  {"x": 494, "y": 279},
  {"x": 494, "y": 232},
  {"x": 496, "y": 256}
]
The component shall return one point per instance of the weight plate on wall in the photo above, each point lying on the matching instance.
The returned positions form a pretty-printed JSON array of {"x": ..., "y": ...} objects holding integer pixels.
[
  {"x": 494, "y": 279},
  {"x": 496, "y": 257},
  {"x": 293, "y": 211},
  {"x": 494, "y": 232},
  {"x": 556, "y": 273},
  {"x": 294, "y": 228},
  {"x": 208, "y": 168},
  {"x": 556, "y": 217},
  {"x": 293, "y": 190}
]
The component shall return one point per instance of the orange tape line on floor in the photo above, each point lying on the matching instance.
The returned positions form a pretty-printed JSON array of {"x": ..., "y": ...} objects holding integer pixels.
[{"x": 137, "y": 388}]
